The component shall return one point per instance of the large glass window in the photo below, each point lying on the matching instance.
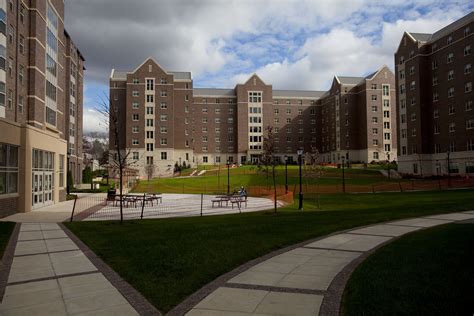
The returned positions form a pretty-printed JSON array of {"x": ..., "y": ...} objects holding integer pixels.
[
  {"x": 51, "y": 65},
  {"x": 61, "y": 171},
  {"x": 8, "y": 169},
  {"x": 50, "y": 116}
]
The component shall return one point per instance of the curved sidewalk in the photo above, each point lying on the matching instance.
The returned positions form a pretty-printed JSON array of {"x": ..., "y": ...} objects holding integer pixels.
[{"x": 309, "y": 279}]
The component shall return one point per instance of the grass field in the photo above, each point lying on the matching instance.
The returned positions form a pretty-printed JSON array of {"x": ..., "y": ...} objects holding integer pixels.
[
  {"x": 169, "y": 259},
  {"x": 430, "y": 272},
  {"x": 216, "y": 180},
  {"x": 6, "y": 229}
]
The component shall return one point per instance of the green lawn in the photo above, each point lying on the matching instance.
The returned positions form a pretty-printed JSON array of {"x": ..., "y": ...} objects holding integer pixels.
[
  {"x": 250, "y": 176},
  {"x": 430, "y": 272},
  {"x": 169, "y": 259},
  {"x": 6, "y": 229}
]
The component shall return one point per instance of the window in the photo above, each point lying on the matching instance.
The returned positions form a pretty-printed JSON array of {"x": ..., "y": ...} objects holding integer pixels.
[
  {"x": 135, "y": 141},
  {"x": 449, "y": 40},
  {"x": 413, "y": 116},
  {"x": 413, "y": 132},
  {"x": 374, "y": 97},
  {"x": 61, "y": 171},
  {"x": 451, "y": 92},
  {"x": 375, "y": 155},
  {"x": 402, "y": 89},
  {"x": 386, "y": 125},
  {"x": 435, "y": 97},
  {"x": 288, "y": 111},
  {"x": 217, "y": 120},
  {"x": 163, "y": 93},
  {"x": 386, "y": 103},
  {"x": 134, "y": 129},
  {"x": 402, "y": 74},
  {"x": 386, "y": 114},
  {"x": 452, "y": 147},
  {"x": 386, "y": 136},
  {"x": 163, "y": 117},
  {"x": 375, "y": 131},
  {"x": 450, "y": 75},
  {"x": 149, "y": 147},
  {"x": 451, "y": 109},
  {"x": 374, "y": 108},
  {"x": 467, "y": 69},
  {"x": 186, "y": 97},
  {"x": 134, "y": 105},
  {"x": 403, "y": 103},
  {"x": 50, "y": 114},
  {"x": 288, "y": 120},
  {"x": 149, "y": 110},
  {"x": 149, "y": 98},
  {"x": 467, "y": 31},
  {"x": 255, "y": 97},
  {"x": 450, "y": 58},
  {"x": 8, "y": 169},
  {"x": 468, "y": 87},
  {"x": 149, "y": 122},
  {"x": 135, "y": 117},
  {"x": 22, "y": 45},
  {"x": 164, "y": 155},
  {"x": 149, "y": 160},
  {"x": 20, "y": 106},
  {"x": 437, "y": 148},
  {"x": 149, "y": 134},
  {"x": 436, "y": 113},
  {"x": 412, "y": 70},
  {"x": 204, "y": 120},
  {"x": 135, "y": 155},
  {"x": 135, "y": 81},
  {"x": 467, "y": 50},
  {"x": 373, "y": 86},
  {"x": 135, "y": 93},
  {"x": 468, "y": 105},
  {"x": 374, "y": 119},
  {"x": 21, "y": 71},
  {"x": 434, "y": 64},
  {"x": 404, "y": 133},
  {"x": 163, "y": 141},
  {"x": 10, "y": 99},
  {"x": 470, "y": 124},
  {"x": 276, "y": 120},
  {"x": 375, "y": 142},
  {"x": 387, "y": 147},
  {"x": 452, "y": 127},
  {"x": 412, "y": 85},
  {"x": 470, "y": 145}
]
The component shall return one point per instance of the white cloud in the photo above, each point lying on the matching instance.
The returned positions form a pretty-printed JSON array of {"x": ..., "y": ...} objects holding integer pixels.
[{"x": 93, "y": 121}]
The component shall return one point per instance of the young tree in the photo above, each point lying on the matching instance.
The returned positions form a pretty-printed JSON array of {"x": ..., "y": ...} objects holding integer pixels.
[
  {"x": 312, "y": 168},
  {"x": 120, "y": 158},
  {"x": 268, "y": 158}
]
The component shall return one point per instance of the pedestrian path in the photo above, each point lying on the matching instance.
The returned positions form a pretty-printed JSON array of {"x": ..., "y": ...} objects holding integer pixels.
[
  {"x": 50, "y": 275},
  {"x": 297, "y": 282}
]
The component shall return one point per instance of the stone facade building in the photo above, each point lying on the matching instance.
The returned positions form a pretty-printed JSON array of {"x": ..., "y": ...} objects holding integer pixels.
[
  {"x": 435, "y": 100},
  {"x": 165, "y": 120},
  {"x": 41, "y": 80}
]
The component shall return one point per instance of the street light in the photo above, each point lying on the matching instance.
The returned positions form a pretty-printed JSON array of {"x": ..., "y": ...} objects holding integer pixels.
[
  {"x": 449, "y": 170},
  {"x": 228, "y": 176},
  {"x": 300, "y": 195},
  {"x": 67, "y": 172},
  {"x": 286, "y": 174},
  {"x": 388, "y": 164},
  {"x": 343, "y": 177}
]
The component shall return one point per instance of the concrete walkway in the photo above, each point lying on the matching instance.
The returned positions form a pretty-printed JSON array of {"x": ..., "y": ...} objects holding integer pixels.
[
  {"x": 299, "y": 281},
  {"x": 50, "y": 275}
]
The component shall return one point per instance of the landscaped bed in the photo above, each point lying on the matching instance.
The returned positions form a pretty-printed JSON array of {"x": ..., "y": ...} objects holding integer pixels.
[
  {"x": 6, "y": 229},
  {"x": 430, "y": 272},
  {"x": 169, "y": 259}
]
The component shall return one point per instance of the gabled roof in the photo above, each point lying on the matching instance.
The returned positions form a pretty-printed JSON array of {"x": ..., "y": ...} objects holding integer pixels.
[
  {"x": 297, "y": 94},
  {"x": 253, "y": 75},
  {"x": 350, "y": 80},
  {"x": 421, "y": 37},
  {"x": 122, "y": 74},
  {"x": 214, "y": 92}
]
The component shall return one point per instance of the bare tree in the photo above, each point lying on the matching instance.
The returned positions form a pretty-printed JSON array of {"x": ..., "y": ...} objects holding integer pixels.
[
  {"x": 150, "y": 170},
  {"x": 268, "y": 158},
  {"x": 119, "y": 156},
  {"x": 312, "y": 168}
]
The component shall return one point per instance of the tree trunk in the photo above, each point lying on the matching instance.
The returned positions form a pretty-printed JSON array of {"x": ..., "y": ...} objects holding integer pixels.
[
  {"x": 121, "y": 194},
  {"x": 274, "y": 188}
]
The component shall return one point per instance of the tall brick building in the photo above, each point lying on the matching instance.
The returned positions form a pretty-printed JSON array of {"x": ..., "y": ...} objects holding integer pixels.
[
  {"x": 164, "y": 120},
  {"x": 41, "y": 83},
  {"x": 435, "y": 100}
]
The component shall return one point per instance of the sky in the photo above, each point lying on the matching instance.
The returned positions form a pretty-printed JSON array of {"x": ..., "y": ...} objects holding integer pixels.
[{"x": 289, "y": 44}]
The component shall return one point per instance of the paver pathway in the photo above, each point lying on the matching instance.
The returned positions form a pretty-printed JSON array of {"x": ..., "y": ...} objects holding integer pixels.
[
  {"x": 50, "y": 275},
  {"x": 298, "y": 281}
]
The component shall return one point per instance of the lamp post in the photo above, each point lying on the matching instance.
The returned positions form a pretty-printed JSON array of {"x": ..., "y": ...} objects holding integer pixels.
[
  {"x": 286, "y": 174},
  {"x": 343, "y": 177},
  {"x": 228, "y": 177},
  {"x": 388, "y": 165},
  {"x": 449, "y": 170},
  {"x": 300, "y": 194},
  {"x": 219, "y": 177},
  {"x": 68, "y": 189}
]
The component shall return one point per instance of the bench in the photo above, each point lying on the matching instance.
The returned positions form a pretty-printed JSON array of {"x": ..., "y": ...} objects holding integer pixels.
[
  {"x": 220, "y": 199},
  {"x": 238, "y": 200}
]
